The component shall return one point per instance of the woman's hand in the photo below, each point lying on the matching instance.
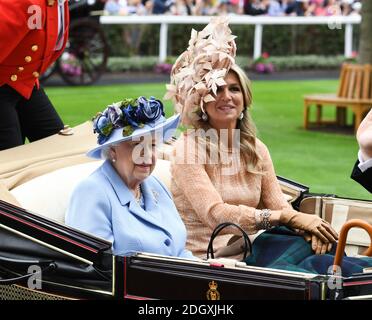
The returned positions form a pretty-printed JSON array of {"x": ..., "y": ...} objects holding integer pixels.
[
  {"x": 317, "y": 245},
  {"x": 232, "y": 249},
  {"x": 310, "y": 223}
]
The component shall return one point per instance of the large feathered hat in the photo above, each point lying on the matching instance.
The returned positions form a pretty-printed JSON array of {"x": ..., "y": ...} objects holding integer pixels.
[{"x": 201, "y": 69}]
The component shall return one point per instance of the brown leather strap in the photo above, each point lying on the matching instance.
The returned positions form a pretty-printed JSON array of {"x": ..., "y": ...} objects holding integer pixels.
[{"x": 342, "y": 240}]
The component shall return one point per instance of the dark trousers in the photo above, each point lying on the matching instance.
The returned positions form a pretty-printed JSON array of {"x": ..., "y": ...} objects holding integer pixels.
[{"x": 20, "y": 118}]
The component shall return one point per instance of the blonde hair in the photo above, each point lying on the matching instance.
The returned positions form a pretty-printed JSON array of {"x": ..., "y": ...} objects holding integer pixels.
[
  {"x": 245, "y": 83},
  {"x": 246, "y": 125},
  {"x": 248, "y": 131}
]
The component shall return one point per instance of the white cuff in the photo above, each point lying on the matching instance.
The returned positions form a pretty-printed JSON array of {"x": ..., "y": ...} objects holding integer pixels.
[{"x": 364, "y": 164}]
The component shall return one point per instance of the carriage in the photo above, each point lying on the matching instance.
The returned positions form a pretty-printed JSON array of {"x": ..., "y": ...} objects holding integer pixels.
[
  {"x": 84, "y": 59},
  {"x": 43, "y": 258}
]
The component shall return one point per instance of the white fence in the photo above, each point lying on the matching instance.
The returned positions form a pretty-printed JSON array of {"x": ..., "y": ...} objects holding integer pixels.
[{"x": 333, "y": 22}]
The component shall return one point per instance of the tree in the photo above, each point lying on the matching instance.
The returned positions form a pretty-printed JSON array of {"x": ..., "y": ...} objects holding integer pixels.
[{"x": 365, "y": 40}]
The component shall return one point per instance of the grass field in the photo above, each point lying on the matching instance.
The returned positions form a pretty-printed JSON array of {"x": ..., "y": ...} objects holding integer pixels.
[{"x": 322, "y": 161}]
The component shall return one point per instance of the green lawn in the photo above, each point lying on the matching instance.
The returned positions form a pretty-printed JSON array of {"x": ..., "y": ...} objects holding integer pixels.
[{"x": 322, "y": 161}]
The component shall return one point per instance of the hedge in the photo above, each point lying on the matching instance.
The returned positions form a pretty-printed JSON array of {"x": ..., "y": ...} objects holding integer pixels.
[
  {"x": 124, "y": 64},
  {"x": 277, "y": 40}
]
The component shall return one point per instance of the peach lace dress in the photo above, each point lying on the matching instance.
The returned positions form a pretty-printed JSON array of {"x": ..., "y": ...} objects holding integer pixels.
[{"x": 208, "y": 194}]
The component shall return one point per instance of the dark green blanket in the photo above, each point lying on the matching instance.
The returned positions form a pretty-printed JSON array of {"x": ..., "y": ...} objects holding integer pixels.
[{"x": 281, "y": 248}]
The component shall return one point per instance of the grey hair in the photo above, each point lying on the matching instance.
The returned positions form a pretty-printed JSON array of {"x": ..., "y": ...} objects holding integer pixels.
[{"x": 105, "y": 152}]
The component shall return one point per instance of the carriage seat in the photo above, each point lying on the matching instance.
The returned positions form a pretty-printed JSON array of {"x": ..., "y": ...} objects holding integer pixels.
[{"x": 49, "y": 194}]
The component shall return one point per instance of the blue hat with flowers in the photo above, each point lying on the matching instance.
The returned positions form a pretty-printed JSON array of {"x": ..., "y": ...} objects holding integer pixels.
[{"x": 129, "y": 119}]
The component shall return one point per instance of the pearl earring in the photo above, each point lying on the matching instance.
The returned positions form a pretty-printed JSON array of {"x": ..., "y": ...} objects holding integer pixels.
[
  {"x": 113, "y": 160},
  {"x": 241, "y": 116}
]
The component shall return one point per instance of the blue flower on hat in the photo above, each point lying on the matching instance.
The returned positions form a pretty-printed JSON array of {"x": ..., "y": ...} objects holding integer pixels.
[
  {"x": 149, "y": 110},
  {"x": 115, "y": 114},
  {"x": 128, "y": 114},
  {"x": 102, "y": 126}
]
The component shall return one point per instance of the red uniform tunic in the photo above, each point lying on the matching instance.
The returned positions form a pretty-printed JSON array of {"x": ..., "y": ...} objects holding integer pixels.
[{"x": 28, "y": 38}]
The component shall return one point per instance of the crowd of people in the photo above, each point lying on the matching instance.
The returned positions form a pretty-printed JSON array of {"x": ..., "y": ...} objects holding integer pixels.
[{"x": 223, "y": 7}]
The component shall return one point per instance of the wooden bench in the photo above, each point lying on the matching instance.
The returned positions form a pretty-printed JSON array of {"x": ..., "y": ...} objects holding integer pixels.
[{"x": 354, "y": 92}]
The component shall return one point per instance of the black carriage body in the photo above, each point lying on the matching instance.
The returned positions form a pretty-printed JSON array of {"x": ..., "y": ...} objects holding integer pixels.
[
  {"x": 74, "y": 265},
  {"x": 151, "y": 277},
  {"x": 86, "y": 269},
  {"x": 154, "y": 277}
]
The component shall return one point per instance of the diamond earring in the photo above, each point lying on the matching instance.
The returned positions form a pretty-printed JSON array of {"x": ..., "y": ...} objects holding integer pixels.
[{"x": 204, "y": 114}]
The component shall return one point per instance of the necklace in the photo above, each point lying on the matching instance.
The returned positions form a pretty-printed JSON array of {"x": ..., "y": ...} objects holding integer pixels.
[
  {"x": 139, "y": 199},
  {"x": 138, "y": 193}
]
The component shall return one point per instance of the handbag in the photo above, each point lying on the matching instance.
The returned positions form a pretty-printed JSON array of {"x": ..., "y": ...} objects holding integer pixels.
[{"x": 247, "y": 242}]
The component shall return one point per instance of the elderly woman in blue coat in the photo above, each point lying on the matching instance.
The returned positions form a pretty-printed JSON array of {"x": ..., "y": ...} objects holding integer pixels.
[{"x": 121, "y": 201}]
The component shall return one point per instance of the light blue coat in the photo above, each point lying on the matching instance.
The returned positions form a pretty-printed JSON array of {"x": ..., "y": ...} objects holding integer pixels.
[{"x": 103, "y": 206}]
